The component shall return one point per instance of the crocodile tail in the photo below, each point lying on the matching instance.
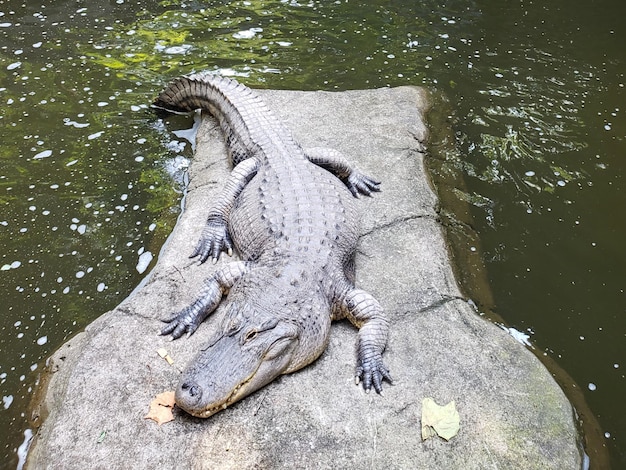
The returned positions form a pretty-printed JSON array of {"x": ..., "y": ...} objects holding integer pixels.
[
  {"x": 175, "y": 98},
  {"x": 184, "y": 94},
  {"x": 240, "y": 111},
  {"x": 198, "y": 91}
]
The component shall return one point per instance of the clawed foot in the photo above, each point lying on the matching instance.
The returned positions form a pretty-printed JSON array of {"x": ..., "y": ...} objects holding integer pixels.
[
  {"x": 358, "y": 183},
  {"x": 186, "y": 321},
  {"x": 214, "y": 240},
  {"x": 372, "y": 371}
]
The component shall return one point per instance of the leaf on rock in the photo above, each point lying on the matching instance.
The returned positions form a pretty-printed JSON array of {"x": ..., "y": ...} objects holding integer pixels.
[
  {"x": 164, "y": 354},
  {"x": 101, "y": 437},
  {"x": 161, "y": 408},
  {"x": 442, "y": 421}
]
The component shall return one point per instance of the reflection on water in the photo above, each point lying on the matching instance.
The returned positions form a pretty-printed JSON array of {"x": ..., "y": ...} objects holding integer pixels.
[{"x": 536, "y": 99}]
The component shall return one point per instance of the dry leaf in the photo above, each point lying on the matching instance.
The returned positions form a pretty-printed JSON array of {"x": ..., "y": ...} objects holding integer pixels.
[
  {"x": 163, "y": 353},
  {"x": 161, "y": 408},
  {"x": 442, "y": 421}
]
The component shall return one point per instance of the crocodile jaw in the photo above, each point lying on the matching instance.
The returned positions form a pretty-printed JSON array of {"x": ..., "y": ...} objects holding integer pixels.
[
  {"x": 208, "y": 410},
  {"x": 228, "y": 371}
]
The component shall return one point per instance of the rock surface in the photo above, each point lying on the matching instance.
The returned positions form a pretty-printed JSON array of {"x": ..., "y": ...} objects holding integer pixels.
[{"x": 513, "y": 415}]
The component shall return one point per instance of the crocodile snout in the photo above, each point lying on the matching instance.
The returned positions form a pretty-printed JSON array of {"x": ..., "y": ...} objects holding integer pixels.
[{"x": 188, "y": 394}]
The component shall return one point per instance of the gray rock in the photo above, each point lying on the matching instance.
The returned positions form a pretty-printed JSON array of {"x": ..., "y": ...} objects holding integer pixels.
[{"x": 513, "y": 414}]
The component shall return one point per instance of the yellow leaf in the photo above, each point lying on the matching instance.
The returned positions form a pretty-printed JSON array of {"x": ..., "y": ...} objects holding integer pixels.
[
  {"x": 443, "y": 421},
  {"x": 164, "y": 354},
  {"x": 161, "y": 408}
]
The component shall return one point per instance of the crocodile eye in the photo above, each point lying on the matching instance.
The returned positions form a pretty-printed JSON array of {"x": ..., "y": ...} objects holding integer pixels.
[{"x": 251, "y": 335}]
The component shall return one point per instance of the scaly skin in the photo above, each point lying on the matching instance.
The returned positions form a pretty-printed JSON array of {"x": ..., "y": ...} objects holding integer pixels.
[{"x": 291, "y": 216}]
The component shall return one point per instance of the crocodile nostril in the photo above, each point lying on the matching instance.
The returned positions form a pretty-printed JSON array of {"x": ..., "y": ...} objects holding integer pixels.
[{"x": 192, "y": 389}]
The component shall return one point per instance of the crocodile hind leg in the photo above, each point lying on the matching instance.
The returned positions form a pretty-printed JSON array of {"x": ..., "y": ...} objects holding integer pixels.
[
  {"x": 365, "y": 313},
  {"x": 218, "y": 285},
  {"x": 215, "y": 237},
  {"x": 237, "y": 151},
  {"x": 335, "y": 162}
]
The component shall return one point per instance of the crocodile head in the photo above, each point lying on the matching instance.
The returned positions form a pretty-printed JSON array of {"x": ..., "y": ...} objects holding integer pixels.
[{"x": 250, "y": 350}]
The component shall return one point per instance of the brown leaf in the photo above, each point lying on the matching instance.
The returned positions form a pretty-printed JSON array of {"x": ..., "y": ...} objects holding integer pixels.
[{"x": 161, "y": 408}]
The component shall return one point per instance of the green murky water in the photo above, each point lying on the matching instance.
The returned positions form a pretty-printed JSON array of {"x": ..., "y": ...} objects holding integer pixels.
[{"x": 533, "y": 92}]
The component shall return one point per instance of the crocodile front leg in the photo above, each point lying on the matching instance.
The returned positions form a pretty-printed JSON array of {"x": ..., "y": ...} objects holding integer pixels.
[
  {"x": 338, "y": 165},
  {"x": 365, "y": 313},
  {"x": 215, "y": 287},
  {"x": 215, "y": 237}
]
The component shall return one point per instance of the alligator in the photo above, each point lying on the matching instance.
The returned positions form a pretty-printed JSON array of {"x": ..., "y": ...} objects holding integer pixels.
[{"x": 291, "y": 216}]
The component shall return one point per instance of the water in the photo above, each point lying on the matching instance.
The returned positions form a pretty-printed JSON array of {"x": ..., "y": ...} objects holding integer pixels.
[
  {"x": 533, "y": 93},
  {"x": 83, "y": 192}
]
